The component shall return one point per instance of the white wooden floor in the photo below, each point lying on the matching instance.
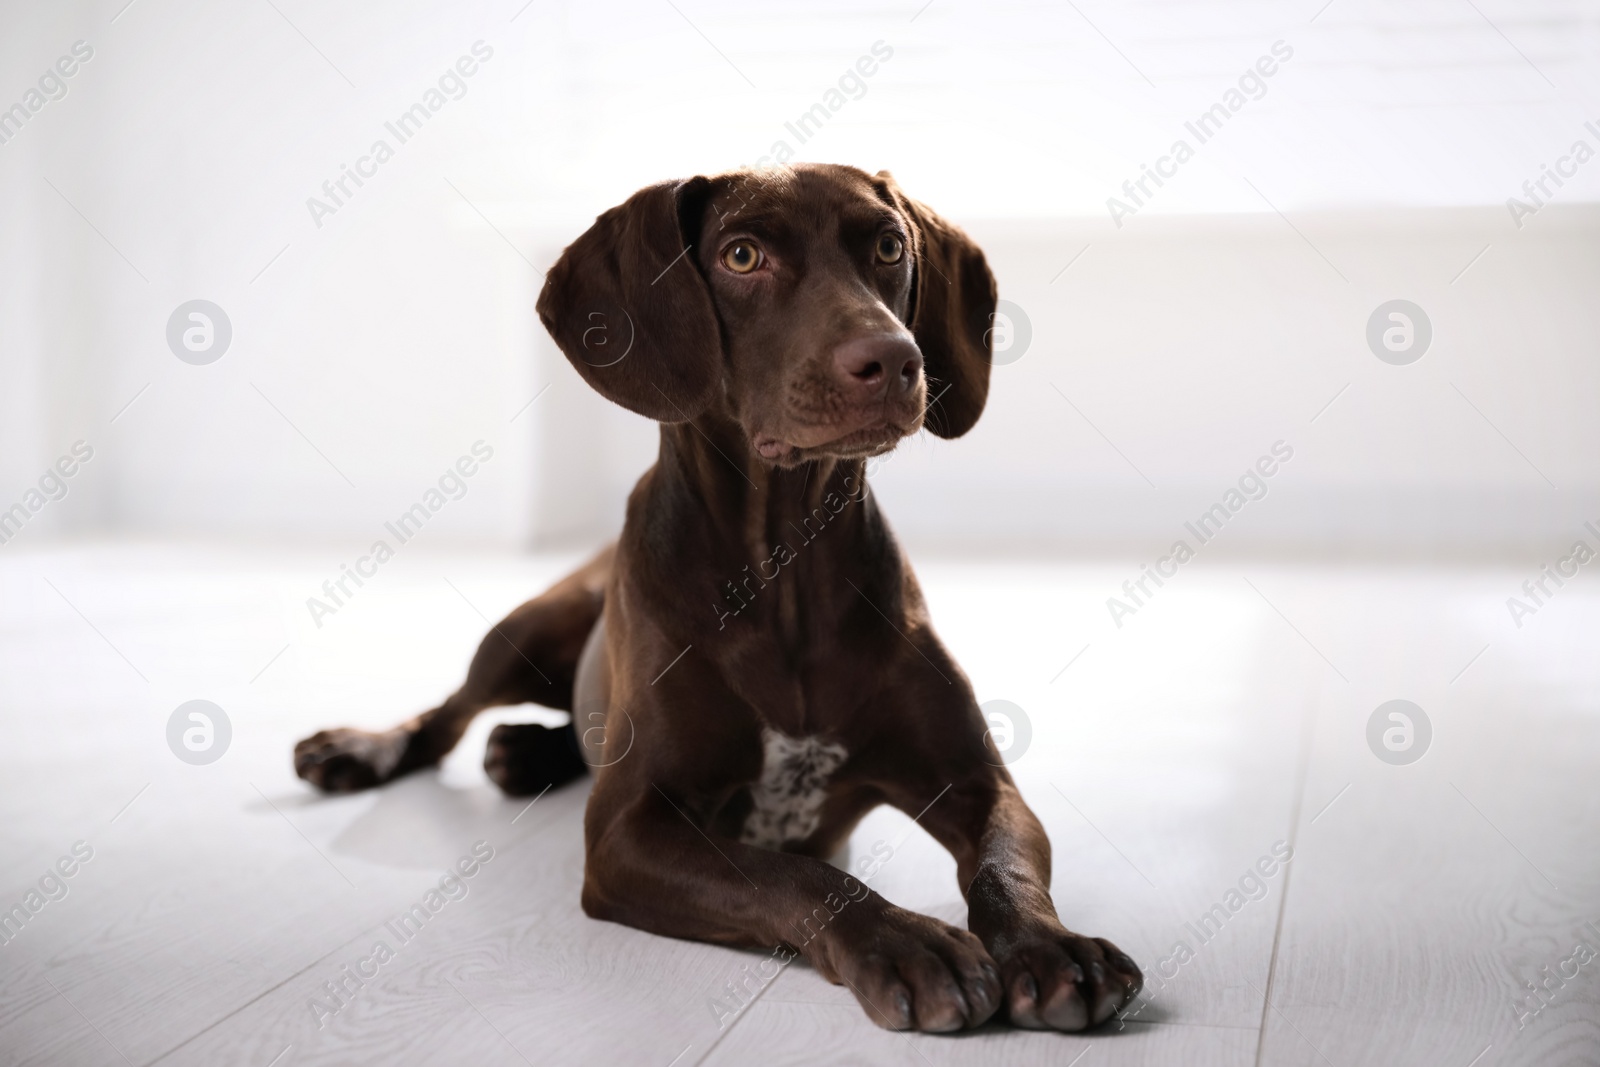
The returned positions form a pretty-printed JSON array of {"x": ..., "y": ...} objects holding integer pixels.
[{"x": 1228, "y": 715}]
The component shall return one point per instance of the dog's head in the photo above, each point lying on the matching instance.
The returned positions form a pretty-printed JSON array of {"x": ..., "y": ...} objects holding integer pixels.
[{"x": 817, "y": 306}]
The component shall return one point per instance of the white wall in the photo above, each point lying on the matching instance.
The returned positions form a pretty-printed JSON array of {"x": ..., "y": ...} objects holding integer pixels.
[
  {"x": 1194, "y": 344},
  {"x": 400, "y": 331}
]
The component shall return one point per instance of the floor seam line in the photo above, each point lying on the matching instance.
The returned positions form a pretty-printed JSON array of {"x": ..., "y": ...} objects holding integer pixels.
[
  {"x": 1304, "y": 775},
  {"x": 265, "y": 992}
]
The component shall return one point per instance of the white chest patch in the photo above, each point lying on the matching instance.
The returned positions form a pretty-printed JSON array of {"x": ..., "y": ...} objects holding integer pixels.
[{"x": 794, "y": 780}]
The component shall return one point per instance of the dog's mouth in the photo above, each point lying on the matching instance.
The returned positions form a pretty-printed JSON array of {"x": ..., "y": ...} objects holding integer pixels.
[{"x": 870, "y": 440}]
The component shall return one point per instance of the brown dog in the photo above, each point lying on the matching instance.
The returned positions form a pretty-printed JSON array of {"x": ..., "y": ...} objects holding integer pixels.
[{"x": 752, "y": 663}]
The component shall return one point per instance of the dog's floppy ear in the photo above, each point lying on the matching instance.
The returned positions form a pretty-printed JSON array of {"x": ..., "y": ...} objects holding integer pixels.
[
  {"x": 951, "y": 315},
  {"x": 630, "y": 310}
]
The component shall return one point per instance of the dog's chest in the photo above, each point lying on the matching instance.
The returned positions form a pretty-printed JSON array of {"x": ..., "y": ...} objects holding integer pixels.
[{"x": 788, "y": 798}]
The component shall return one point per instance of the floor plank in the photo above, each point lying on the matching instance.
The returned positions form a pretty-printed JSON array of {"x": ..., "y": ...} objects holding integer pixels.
[
  {"x": 1168, "y": 757},
  {"x": 1429, "y": 893}
]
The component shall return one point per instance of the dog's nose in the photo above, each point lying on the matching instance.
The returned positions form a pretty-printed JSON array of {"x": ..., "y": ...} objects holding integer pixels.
[{"x": 878, "y": 366}]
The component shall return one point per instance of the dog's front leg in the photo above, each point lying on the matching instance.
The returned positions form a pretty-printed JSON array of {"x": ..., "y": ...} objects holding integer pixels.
[
  {"x": 1053, "y": 978},
  {"x": 655, "y": 864}
]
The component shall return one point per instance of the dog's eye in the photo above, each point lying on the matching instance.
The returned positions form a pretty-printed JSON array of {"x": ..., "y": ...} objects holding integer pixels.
[
  {"x": 741, "y": 257},
  {"x": 890, "y": 248}
]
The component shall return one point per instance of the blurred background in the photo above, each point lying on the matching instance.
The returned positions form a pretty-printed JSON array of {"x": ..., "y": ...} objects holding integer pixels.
[{"x": 1166, "y": 345}]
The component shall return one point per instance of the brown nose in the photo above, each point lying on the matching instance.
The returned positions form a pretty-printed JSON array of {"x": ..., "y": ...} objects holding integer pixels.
[{"x": 877, "y": 367}]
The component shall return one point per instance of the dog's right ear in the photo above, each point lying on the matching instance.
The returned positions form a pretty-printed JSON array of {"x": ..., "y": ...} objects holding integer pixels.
[
  {"x": 629, "y": 308},
  {"x": 953, "y": 299}
]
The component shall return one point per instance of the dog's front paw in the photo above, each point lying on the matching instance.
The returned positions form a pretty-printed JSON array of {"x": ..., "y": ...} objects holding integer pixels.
[
  {"x": 1058, "y": 980},
  {"x": 347, "y": 761},
  {"x": 910, "y": 971}
]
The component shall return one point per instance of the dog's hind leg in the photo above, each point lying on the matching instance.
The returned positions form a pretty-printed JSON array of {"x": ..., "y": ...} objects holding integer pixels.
[{"x": 531, "y": 656}]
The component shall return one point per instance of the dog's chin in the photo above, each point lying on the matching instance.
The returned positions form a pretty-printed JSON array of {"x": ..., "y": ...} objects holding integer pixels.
[{"x": 861, "y": 443}]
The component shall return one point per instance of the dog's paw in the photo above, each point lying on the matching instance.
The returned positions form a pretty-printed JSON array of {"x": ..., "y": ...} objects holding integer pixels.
[
  {"x": 910, "y": 971},
  {"x": 347, "y": 761},
  {"x": 1057, "y": 980},
  {"x": 527, "y": 758}
]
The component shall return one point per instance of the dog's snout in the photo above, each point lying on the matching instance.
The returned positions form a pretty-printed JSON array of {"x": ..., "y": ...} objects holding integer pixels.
[{"x": 878, "y": 366}]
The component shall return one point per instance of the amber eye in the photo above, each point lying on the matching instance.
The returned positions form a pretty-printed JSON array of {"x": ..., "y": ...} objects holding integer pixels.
[
  {"x": 741, "y": 257},
  {"x": 890, "y": 248}
]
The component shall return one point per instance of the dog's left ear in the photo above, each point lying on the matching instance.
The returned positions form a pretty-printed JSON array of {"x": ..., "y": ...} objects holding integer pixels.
[
  {"x": 629, "y": 309},
  {"x": 953, "y": 297}
]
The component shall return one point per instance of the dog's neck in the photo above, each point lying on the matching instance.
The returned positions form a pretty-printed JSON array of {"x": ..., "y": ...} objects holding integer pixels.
[
  {"x": 772, "y": 551},
  {"x": 820, "y": 506}
]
